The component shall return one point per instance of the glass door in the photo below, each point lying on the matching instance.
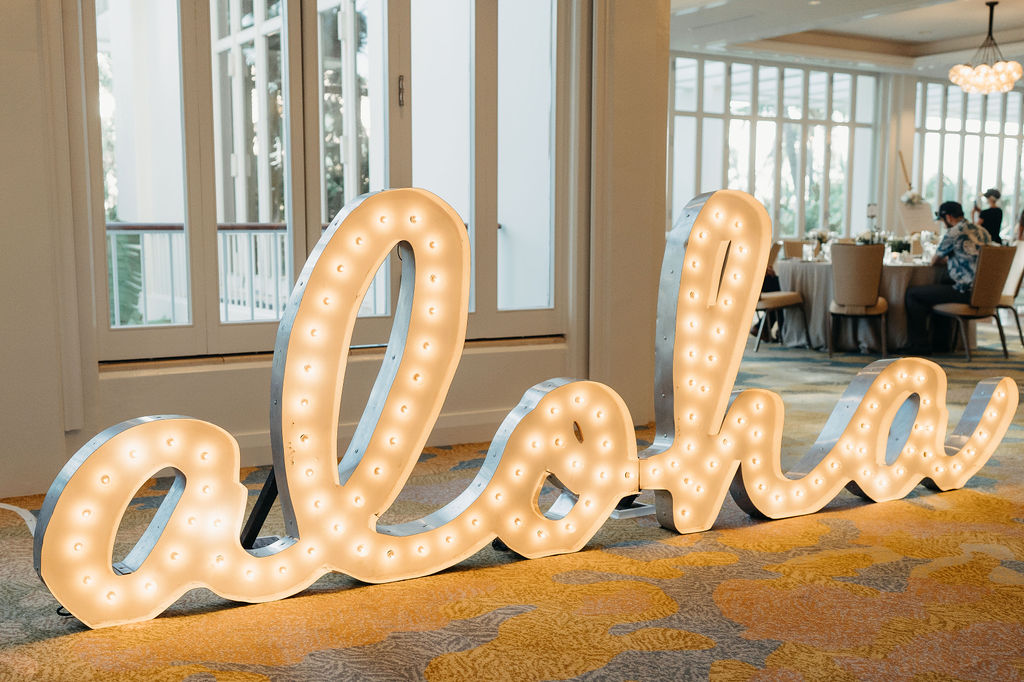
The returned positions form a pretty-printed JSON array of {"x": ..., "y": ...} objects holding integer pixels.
[
  {"x": 483, "y": 121},
  {"x": 272, "y": 115}
]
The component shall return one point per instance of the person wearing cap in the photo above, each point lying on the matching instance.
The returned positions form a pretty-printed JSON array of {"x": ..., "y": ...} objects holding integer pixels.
[
  {"x": 959, "y": 250},
  {"x": 992, "y": 217}
]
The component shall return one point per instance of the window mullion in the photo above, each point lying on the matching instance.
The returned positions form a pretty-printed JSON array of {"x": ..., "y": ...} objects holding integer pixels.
[
  {"x": 845, "y": 220},
  {"x": 312, "y": 33},
  {"x": 981, "y": 145},
  {"x": 726, "y": 123},
  {"x": 484, "y": 160},
  {"x": 923, "y": 130},
  {"x": 239, "y": 156},
  {"x": 350, "y": 97},
  {"x": 801, "y": 185},
  {"x": 698, "y": 148},
  {"x": 826, "y": 161},
  {"x": 1000, "y": 137},
  {"x": 943, "y": 103},
  {"x": 262, "y": 129},
  {"x": 752, "y": 157},
  {"x": 779, "y": 118},
  {"x": 200, "y": 211},
  {"x": 670, "y": 156}
]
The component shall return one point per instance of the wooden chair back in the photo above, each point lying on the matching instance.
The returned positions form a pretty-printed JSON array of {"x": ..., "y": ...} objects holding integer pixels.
[
  {"x": 1016, "y": 276},
  {"x": 994, "y": 263},
  {"x": 856, "y": 273},
  {"x": 794, "y": 248},
  {"x": 774, "y": 253}
]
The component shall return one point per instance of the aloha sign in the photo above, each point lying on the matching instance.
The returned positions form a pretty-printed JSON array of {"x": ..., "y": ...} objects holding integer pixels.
[{"x": 886, "y": 434}]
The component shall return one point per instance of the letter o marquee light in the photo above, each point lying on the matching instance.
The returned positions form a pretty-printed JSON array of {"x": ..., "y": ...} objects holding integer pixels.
[{"x": 886, "y": 434}]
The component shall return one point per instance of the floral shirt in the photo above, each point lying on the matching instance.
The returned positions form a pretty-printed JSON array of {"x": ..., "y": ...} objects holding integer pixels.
[{"x": 960, "y": 246}]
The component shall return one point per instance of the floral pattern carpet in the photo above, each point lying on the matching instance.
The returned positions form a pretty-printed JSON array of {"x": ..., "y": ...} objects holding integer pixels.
[{"x": 930, "y": 587}]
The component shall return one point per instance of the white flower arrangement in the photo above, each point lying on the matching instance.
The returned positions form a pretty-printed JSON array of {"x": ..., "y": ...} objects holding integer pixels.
[
  {"x": 926, "y": 237},
  {"x": 870, "y": 237},
  {"x": 912, "y": 198},
  {"x": 822, "y": 236}
]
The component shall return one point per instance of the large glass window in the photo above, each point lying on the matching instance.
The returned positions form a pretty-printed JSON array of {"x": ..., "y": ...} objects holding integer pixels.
[
  {"x": 143, "y": 172},
  {"x": 351, "y": 102},
  {"x": 251, "y": 116},
  {"x": 526, "y": 160},
  {"x": 442, "y": 112},
  {"x": 965, "y": 144},
  {"x": 801, "y": 140},
  {"x": 228, "y": 146}
]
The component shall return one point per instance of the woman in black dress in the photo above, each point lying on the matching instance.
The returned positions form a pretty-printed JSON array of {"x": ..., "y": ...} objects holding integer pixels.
[{"x": 992, "y": 217}]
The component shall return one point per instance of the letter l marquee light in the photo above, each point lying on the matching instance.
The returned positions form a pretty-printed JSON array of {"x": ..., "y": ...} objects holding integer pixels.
[{"x": 886, "y": 434}]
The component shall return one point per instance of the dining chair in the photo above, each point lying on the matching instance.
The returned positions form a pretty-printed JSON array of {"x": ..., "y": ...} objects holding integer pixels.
[
  {"x": 773, "y": 255},
  {"x": 794, "y": 248},
  {"x": 856, "y": 274},
  {"x": 915, "y": 247},
  {"x": 994, "y": 263},
  {"x": 771, "y": 301},
  {"x": 1012, "y": 287}
]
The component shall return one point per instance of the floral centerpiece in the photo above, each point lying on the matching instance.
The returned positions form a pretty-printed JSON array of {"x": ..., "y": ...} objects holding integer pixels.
[
  {"x": 870, "y": 237},
  {"x": 912, "y": 198},
  {"x": 822, "y": 236}
]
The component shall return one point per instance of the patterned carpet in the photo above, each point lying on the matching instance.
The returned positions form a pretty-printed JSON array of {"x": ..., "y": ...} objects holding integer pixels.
[{"x": 930, "y": 587}]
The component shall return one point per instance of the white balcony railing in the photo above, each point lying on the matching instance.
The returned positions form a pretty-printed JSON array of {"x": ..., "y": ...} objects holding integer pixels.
[
  {"x": 148, "y": 279},
  {"x": 254, "y": 266}
]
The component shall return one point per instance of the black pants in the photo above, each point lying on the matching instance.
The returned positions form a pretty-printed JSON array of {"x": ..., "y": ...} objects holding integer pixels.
[
  {"x": 771, "y": 283},
  {"x": 931, "y": 332}
]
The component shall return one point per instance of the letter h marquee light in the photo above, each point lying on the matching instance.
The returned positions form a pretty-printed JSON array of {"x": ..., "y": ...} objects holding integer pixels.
[{"x": 886, "y": 434}]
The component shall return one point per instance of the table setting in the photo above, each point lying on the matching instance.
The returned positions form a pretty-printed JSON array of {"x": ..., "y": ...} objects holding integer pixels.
[{"x": 812, "y": 277}]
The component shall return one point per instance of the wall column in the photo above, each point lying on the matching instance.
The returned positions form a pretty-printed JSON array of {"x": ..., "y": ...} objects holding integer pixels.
[{"x": 628, "y": 195}]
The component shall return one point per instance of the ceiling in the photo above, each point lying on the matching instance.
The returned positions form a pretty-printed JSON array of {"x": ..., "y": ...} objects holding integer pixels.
[
  {"x": 921, "y": 36},
  {"x": 940, "y": 22}
]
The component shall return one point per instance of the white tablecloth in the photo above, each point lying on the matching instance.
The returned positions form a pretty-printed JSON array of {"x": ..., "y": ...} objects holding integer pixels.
[{"x": 814, "y": 281}]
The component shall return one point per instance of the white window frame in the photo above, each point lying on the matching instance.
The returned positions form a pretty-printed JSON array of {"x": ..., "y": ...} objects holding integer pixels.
[
  {"x": 1012, "y": 201},
  {"x": 206, "y": 334},
  {"x": 779, "y": 119}
]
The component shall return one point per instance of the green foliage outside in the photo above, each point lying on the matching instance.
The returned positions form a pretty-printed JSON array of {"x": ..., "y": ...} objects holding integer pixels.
[{"x": 127, "y": 250}]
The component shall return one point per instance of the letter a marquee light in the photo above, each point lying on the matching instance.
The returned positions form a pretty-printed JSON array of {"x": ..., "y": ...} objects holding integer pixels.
[{"x": 886, "y": 434}]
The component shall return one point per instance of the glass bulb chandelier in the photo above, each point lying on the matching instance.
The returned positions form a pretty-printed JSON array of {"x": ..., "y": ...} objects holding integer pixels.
[{"x": 988, "y": 71}]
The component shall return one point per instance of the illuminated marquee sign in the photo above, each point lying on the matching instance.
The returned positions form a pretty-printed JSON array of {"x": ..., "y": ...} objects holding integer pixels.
[{"x": 886, "y": 435}]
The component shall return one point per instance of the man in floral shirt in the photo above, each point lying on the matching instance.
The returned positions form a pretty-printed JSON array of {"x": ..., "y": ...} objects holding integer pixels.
[{"x": 959, "y": 250}]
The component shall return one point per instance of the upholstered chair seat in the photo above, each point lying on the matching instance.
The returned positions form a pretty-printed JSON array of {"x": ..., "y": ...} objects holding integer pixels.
[{"x": 994, "y": 265}]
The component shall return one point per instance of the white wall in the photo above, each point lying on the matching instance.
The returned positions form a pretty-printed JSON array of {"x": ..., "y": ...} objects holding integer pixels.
[
  {"x": 630, "y": 119},
  {"x": 31, "y": 420},
  {"x": 896, "y": 130}
]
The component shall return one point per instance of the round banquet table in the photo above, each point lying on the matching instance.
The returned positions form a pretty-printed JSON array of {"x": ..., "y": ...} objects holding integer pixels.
[{"x": 814, "y": 282}]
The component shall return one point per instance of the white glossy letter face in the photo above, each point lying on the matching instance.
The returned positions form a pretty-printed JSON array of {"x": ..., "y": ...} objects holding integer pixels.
[{"x": 887, "y": 434}]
